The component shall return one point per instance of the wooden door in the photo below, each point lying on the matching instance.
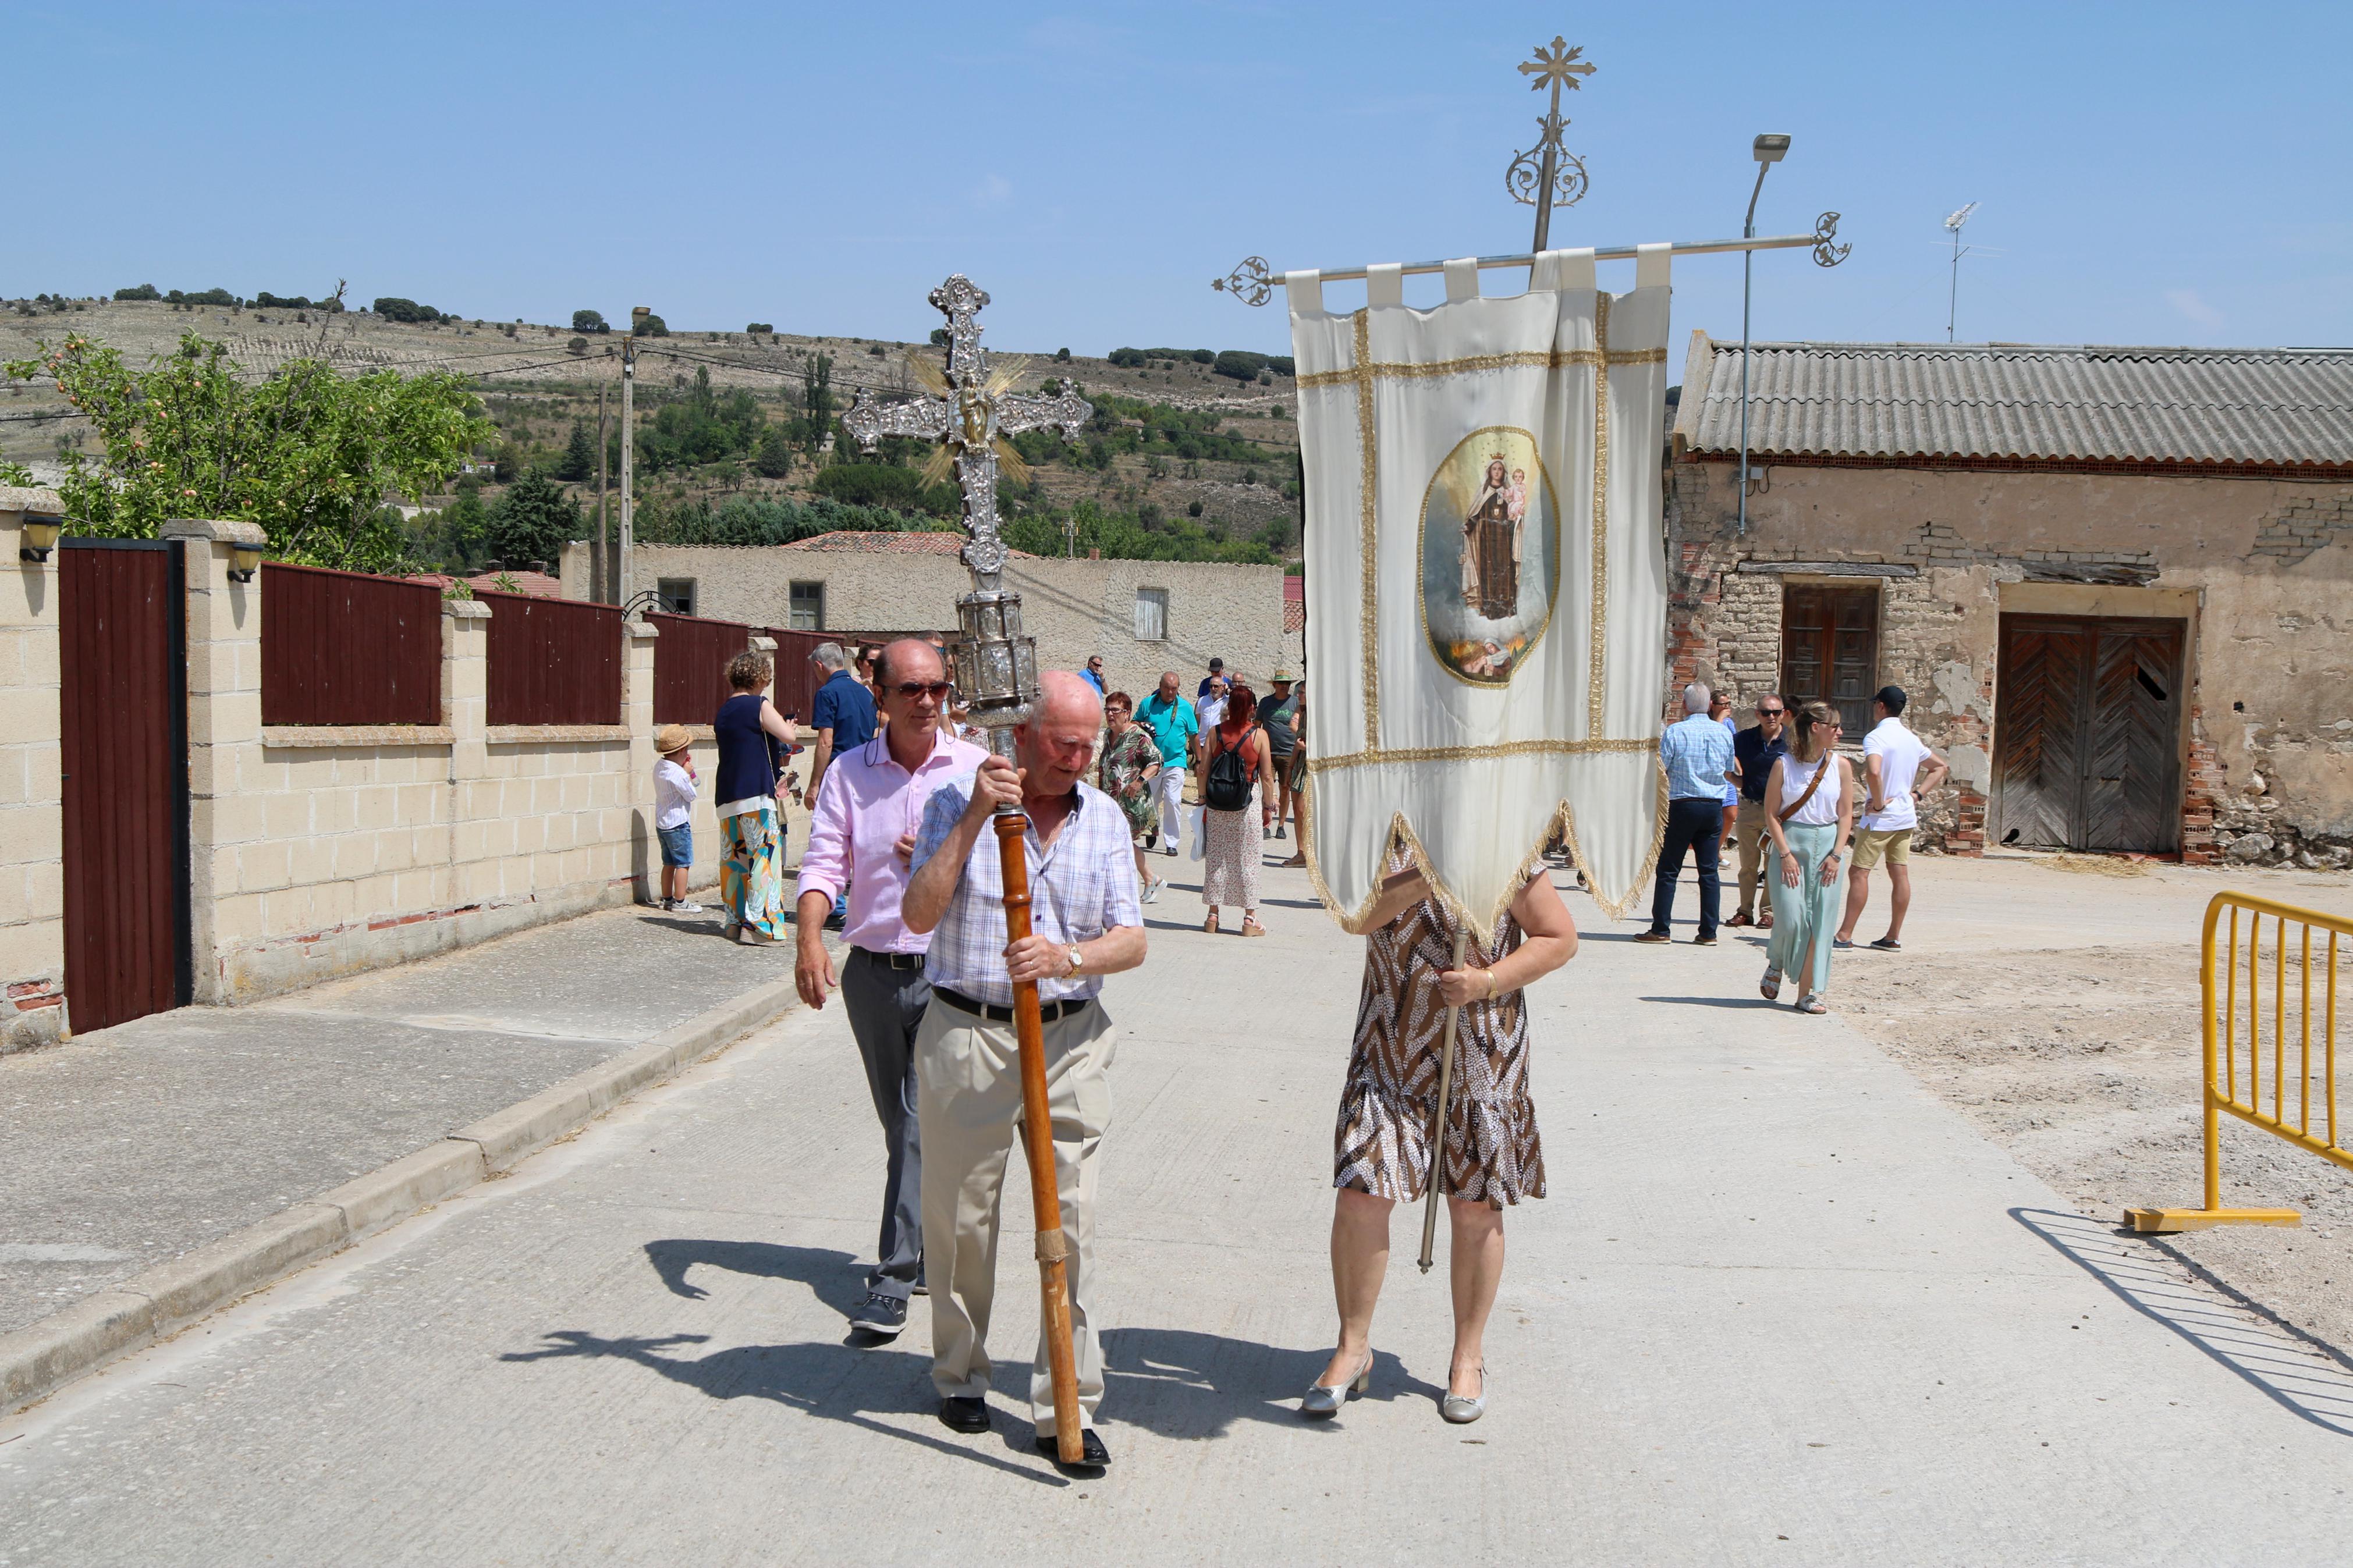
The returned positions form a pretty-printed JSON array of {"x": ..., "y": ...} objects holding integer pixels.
[
  {"x": 122, "y": 707},
  {"x": 1830, "y": 648},
  {"x": 2087, "y": 727}
]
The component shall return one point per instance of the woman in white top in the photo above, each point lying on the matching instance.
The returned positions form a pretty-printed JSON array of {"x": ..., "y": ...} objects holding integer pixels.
[{"x": 1810, "y": 813}]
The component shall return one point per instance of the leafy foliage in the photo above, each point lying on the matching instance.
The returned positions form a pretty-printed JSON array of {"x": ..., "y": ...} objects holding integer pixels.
[
  {"x": 590, "y": 321},
  {"x": 579, "y": 460},
  {"x": 210, "y": 297},
  {"x": 702, "y": 427},
  {"x": 768, "y": 327},
  {"x": 773, "y": 458},
  {"x": 14, "y": 473},
  {"x": 886, "y": 485},
  {"x": 394, "y": 308},
  {"x": 745, "y": 521},
  {"x": 1144, "y": 535},
  {"x": 307, "y": 454},
  {"x": 533, "y": 520},
  {"x": 266, "y": 300},
  {"x": 650, "y": 326},
  {"x": 144, "y": 292}
]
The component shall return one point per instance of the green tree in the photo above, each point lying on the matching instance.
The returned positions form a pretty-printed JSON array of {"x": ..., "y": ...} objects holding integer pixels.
[
  {"x": 532, "y": 521},
  {"x": 308, "y": 455},
  {"x": 817, "y": 397},
  {"x": 392, "y": 308},
  {"x": 144, "y": 292},
  {"x": 590, "y": 321},
  {"x": 652, "y": 326},
  {"x": 773, "y": 457},
  {"x": 579, "y": 460}
]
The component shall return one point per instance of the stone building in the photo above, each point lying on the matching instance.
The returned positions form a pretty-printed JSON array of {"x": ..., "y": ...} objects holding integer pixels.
[
  {"x": 2115, "y": 581},
  {"x": 1143, "y": 616}
]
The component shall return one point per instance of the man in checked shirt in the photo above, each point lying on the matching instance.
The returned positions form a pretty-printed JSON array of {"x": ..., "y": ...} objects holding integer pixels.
[{"x": 1086, "y": 923}]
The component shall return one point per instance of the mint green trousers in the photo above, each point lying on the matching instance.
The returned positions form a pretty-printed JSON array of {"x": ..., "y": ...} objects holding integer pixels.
[{"x": 1806, "y": 915}]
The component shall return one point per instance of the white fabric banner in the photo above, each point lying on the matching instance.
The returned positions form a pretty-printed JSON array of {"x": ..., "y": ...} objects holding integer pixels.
[{"x": 1486, "y": 584}]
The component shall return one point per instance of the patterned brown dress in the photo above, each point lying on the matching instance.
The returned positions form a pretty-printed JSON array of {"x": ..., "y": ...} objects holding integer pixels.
[{"x": 1383, "y": 1142}]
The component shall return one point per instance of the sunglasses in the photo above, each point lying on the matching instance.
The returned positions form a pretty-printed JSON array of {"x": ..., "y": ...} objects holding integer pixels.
[
  {"x": 1769, "y": 712},
  {"x": 911, "y": 689}
]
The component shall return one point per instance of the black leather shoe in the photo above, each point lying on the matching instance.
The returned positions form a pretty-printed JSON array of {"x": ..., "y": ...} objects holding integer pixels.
[
  {"x": 1098, "y": 1458},
  {"x": 961, "y": 1413}
]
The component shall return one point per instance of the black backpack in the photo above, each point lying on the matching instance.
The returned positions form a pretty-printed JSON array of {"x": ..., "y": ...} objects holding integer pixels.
[{"x": 1231, "y": 773}]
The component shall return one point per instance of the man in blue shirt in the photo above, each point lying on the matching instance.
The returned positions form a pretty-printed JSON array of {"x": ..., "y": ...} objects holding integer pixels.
[
  {"x": 1697, "y": 756},
  {"x": 842, "y": 714},
  {"x": 1174, "y": 724},
  {"x": 1754, "y": 752}
]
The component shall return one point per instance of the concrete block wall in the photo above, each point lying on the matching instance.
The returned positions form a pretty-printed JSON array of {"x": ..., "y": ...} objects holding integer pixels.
[{"x": 32, "y": 817}]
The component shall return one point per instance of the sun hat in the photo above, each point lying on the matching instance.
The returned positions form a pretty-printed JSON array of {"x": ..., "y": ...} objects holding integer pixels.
[
  {"x": 672, "y": 737},
  {"x": 1282, "y": 674}
]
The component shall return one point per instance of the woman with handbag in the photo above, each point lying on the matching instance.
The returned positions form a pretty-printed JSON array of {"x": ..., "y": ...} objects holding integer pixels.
[
  {"x": 1810, "y": 814},
  {"x": 1237, "y": 762}
]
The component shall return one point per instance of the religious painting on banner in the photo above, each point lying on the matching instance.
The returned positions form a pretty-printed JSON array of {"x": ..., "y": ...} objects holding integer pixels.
[{"x": 1486, "y": 584}]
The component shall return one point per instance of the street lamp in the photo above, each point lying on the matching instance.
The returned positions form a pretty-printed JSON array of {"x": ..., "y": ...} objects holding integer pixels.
[{"x": 1768, "y": 150}]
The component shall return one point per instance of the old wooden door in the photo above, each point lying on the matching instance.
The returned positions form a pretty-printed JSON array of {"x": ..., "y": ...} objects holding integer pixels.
[
  {"x": 123, "y": 706},
  {"x": 2087, "y": 733},
  {"x": 1830, "y": 648}
]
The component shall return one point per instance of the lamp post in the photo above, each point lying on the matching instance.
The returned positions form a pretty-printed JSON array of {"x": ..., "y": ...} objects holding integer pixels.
[{"x": 1768, "y": 150}]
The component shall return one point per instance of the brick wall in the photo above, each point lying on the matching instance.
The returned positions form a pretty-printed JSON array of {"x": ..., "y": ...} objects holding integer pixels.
[{"x": 2290, "y": 536}]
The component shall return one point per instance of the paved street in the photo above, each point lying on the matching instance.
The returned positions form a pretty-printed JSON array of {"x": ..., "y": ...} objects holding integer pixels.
[{"x": 1782, "y": 1306}]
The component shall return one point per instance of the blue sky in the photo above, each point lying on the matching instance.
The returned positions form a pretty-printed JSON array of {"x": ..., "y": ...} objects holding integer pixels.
[{"x": 2150, "y": 174}]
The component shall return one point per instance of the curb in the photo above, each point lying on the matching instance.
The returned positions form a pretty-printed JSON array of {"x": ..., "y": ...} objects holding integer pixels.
[{"x": 155, "y": 1303}]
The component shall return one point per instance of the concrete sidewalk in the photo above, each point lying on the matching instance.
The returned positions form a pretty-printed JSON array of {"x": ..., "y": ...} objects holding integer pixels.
[
  {"x": 1782, "y": 1306},
  {"x": 137, "y": 1144}
]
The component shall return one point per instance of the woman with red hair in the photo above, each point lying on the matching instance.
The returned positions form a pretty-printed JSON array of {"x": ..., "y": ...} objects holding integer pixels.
[{"x": 1235, "y": 765}]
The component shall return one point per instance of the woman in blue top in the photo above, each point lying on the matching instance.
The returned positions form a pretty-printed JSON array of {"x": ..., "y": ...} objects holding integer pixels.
[{"x": 751, "y": 888}]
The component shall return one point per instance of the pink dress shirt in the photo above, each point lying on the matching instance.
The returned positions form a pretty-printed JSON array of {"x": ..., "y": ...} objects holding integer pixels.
[{"x": 865, "y": 806}]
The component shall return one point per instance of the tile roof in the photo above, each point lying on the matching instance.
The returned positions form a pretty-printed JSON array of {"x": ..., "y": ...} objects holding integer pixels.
[
  {"x": 2263, "y": 409},
  {"x": 537, "y": 585},
  {"x": 921, "y": 542}
]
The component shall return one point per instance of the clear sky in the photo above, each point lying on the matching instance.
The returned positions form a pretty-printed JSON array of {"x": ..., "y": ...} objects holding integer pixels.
[{"x": 2150, "y": 174}]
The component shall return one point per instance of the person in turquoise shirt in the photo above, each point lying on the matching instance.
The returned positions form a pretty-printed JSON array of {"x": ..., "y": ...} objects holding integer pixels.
[{"x": 1169, "y": 716}]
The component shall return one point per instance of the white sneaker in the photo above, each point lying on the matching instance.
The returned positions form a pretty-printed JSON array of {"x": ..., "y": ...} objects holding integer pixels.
[{"x": 686, "y": 907}]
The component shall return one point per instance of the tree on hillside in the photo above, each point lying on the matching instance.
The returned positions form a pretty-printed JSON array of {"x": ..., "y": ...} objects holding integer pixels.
[
  {"x": 308, "y": 455},
  {"x": 392, "y": 308},
  {"x": 144, "y": 292},
  {"x": 532, "y": 521},
  {"x": 579, "y": 460},
  {"x": 590, "y": 321},
  {"x": 817, "y": 397},
  {"x": 772, "y": 459},
  {"x": 652, "y": 326}
]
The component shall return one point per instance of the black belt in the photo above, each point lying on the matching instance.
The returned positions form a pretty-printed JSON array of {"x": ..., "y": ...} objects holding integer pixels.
[
  {"x": 891, "y": 960},
  {"x": 1049, "y": 1011}
]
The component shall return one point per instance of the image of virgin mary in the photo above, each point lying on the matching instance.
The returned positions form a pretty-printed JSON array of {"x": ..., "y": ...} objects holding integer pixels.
[{"x": 1491, "y": 547}]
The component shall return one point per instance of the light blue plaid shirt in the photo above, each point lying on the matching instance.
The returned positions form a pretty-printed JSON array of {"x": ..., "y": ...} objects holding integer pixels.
[
  {"x": 1080, "y": 887},
  {"x": 1696, "y": 754}
]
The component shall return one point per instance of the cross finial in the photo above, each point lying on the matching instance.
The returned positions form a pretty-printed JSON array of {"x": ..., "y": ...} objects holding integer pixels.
[{"x": 1558, "y": 65}]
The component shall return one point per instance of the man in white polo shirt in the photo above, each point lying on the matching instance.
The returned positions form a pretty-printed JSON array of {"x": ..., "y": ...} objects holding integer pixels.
[{"x": 1893, "y": 760}]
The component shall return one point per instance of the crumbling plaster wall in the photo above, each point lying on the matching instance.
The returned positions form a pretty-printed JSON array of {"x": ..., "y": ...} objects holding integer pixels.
[{"x": 2259, "y": 569}]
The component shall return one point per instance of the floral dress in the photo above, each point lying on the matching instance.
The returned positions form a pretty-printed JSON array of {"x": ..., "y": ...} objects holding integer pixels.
[{"x": 1127, "y": 757}]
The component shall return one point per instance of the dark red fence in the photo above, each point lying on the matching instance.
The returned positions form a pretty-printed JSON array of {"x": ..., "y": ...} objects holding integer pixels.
[
  {"x": 343, "y": 647},
  {"x": 690, "y": 658},
  {"x": 552, "y": 661}
]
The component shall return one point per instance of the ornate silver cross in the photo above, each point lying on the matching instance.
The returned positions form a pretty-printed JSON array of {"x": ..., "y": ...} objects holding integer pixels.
[{"x": 973, "y": 415}]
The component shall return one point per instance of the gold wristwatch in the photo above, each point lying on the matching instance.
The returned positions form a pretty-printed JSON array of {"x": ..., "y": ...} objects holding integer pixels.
[{"x": 1078, "y": 958}]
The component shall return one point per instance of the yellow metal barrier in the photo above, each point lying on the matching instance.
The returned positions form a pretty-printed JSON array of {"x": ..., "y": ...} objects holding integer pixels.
[{"x": 2235, "y": 1081}]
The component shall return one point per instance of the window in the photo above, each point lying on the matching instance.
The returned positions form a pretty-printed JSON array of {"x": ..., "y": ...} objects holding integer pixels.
[
  {"x": 676, "y": 594},
  {"x": 1152, "y": 614},
  {"x": 1830, "y": 649},
  {"x": 806, "y": 610}
]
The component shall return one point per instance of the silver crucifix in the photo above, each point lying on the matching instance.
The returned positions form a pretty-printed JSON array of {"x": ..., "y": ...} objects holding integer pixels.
[{"x": 974, "y": 414}]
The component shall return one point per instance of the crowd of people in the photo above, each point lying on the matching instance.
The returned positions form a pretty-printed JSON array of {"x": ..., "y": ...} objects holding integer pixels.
[{"x": 1795, "y": 807}]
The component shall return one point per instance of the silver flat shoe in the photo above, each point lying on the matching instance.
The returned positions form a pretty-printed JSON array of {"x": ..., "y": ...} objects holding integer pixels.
[
  {"x": 1463, "y": 1411},
  {"x": 1326, "y": 1399}
]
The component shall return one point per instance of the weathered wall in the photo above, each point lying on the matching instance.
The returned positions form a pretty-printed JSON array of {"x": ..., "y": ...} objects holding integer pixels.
[
  {"x": 2259, "y": 568},
  {"x": 32, "y": 792},
  {"x": 1073, "y": 609}
]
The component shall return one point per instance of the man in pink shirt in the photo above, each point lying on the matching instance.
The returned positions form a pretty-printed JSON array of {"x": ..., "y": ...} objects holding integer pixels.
[{"x": 860, "y": 835}]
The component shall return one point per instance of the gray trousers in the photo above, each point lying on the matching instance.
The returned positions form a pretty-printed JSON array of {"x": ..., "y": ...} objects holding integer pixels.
[{"x": 886, "y": 1007}]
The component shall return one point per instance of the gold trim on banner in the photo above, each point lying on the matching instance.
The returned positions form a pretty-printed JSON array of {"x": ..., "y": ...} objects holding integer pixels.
[
  {"x": 1597, "y": 656},
  {"x": 1471, "y": 753},
  {"x": 1532, "y": 360},
  {"x": 1367, "y": 478}
]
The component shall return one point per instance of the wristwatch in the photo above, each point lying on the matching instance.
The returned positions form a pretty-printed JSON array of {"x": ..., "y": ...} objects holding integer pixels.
[{"x": 1078, "y": 958}]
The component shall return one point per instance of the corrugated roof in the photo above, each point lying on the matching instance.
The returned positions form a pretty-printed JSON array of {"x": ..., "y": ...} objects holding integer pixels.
[
  {"x": 2261, "y": 408},
  {"x": 879, "y": 543}
]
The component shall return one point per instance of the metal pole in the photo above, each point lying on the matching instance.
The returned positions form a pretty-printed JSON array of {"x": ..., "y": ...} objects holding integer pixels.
[
  {"x": 1747, "y": 262},
  {"x": 1437, "y": 1130},
  {"x": 1551, "y": 167},
  {"x": 628, "y": 444},
  {"x": 1952, "y": 293},
  {"x": 598, "y": 566}
]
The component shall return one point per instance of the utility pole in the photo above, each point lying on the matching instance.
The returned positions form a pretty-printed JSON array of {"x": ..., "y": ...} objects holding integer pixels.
[
  {"x": 599, "y": 566},
  {"x": 638, "y": 314}
]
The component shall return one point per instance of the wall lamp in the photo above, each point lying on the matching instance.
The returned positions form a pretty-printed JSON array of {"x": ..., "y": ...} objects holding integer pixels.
[
  {"x": 40, "y": 536},
  {"x": 244, "y": 561}
]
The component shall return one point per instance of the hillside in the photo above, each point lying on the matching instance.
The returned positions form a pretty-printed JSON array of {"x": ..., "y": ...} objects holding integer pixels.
[{"x": 1200, "y": 462}]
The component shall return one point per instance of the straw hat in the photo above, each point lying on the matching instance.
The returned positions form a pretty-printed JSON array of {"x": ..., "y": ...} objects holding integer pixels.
[
  {"x": 1282, "y": 674},
  {"x": 672, "y": 737}
]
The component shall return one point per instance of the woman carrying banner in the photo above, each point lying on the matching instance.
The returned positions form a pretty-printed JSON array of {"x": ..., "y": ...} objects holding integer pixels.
[
  {"x": 1233, "y": 833},
  {"x": 1810, "y": 813},
  {"x": 1493, "y": 1156}
]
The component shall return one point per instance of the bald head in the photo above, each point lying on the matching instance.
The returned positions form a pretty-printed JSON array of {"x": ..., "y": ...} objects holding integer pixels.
[
  {"x": 909, "y": 658},
  {"x": 1065, "y": 698},
  {"x": 1058, "y": 744}
]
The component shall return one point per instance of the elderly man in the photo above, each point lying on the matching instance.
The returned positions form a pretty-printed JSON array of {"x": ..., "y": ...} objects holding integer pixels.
[
  {"x": 1174, "y": 724},
  {"x": 1697, "y": 756},
  {"x": 860, "y": 838},
  {"x": 842, "y": 713},
  {"x": 1085, "y": 923}
]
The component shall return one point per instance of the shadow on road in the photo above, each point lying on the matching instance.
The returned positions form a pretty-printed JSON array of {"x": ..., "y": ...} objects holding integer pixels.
[
  {"x": 1712, "y": 1001},
  {"x": 2295, "y": 1371}
]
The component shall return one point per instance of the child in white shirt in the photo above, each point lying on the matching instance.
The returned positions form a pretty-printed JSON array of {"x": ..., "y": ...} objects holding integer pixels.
[{"x": 674, "y": 793}]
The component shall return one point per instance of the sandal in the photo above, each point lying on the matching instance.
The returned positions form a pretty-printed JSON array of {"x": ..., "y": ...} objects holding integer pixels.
[
  {"x": 1888, "y": 945},
  {"x": 1211, "y": 925},
  {"x": 1251, "y": 927},
  {"x": 1771, "y": 985},
  {"x": 1812, "y": 1005}
]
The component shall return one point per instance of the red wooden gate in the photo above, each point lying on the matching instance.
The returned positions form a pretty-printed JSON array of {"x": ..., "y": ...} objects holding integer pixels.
[{"x": 123, "y": 709}]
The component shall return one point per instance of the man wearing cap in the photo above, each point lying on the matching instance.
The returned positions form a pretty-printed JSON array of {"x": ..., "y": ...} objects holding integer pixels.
[
  {"x": 1897, "y": 769},
  {"x": 861, "y": 837},
  {"x": 1279, "y": 714},
  {"x": 1217, "y": 677}
]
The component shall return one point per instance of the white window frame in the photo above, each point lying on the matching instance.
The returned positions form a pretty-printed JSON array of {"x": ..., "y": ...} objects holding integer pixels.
[
  {"x": 793, "y": 595},
  {"x": 1151, "y": 604}
]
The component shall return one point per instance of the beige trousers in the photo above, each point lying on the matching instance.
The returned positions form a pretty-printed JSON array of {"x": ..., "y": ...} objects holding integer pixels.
[
  {"x": 1750, "y": 834},
  {"x": 968, "y": 1070}
]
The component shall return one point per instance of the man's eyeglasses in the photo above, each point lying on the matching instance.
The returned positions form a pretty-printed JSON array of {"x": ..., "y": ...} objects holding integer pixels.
[
  {"x": 1768, "y": 712},
  {"x": 935, "y": 689}
]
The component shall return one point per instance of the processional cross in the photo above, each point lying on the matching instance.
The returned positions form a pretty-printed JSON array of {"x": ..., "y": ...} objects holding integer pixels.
[{"x": 972, "y": 413}]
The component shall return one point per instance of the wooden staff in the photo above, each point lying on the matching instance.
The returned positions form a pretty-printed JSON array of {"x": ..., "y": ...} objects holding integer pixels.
[
  {"x": 1438, "y": 1128},
  {"x": 1038, "y": 1143}
]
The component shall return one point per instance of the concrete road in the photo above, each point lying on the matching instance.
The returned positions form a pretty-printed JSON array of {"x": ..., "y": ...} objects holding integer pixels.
[{"x": 1781, "y": 1307}]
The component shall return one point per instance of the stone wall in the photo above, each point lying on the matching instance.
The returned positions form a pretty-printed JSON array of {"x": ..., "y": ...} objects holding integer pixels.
[
  {"x": 2258, "y": 568},
  {"x": 1073, "y": 609},
  {"x": 32, "y": 821}
]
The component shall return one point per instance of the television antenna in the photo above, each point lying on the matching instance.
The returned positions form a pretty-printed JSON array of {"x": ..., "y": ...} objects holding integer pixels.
[{"x": 1952, "y": 299}]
